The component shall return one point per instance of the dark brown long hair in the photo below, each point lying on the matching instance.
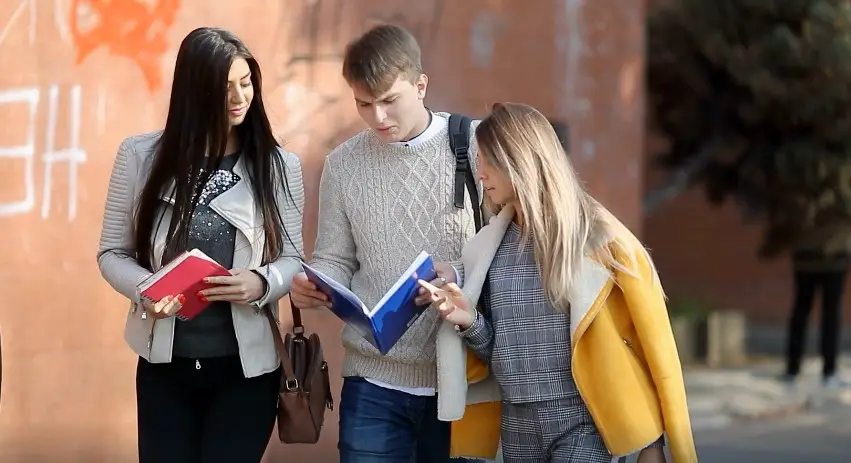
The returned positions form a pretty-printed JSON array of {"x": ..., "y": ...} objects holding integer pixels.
[{"x": 194, "y": 141}]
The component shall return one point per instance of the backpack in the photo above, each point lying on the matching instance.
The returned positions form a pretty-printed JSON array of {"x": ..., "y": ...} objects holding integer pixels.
[{"x": 459, "y": 142}]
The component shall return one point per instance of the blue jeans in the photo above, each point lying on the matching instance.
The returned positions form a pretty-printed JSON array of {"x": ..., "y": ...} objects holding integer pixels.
[{"x": 379, "y": 425}]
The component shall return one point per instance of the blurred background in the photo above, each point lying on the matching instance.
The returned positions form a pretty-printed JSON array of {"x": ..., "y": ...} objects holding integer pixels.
[{"x": 717, "y": 130}]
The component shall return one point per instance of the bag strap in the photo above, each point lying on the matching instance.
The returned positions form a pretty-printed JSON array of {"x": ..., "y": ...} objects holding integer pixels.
[
  {"x": 290, "y": 381},
  {"x": 459, "y": 142}
]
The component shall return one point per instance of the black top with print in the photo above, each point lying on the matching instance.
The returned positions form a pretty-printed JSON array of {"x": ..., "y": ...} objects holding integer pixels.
[{"x": 211, "y": 333}]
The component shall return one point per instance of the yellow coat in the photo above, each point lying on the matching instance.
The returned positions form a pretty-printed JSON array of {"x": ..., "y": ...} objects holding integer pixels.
[{"x": 625, "y": 361}]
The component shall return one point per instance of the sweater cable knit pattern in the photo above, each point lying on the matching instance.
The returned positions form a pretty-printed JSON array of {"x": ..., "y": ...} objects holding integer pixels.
[{"x": 380, "y": 205}]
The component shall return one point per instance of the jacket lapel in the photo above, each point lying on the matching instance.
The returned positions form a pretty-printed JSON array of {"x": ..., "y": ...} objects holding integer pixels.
[
  {"x": 592, "y": 284},
  {"x": 451, "y": 356},
  {"x": 480, "y": 250},
  {"x": 235, "y": 205}
]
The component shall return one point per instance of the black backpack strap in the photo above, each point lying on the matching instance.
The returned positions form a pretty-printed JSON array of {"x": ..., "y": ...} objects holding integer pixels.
[{"x": 459, "y": 141}]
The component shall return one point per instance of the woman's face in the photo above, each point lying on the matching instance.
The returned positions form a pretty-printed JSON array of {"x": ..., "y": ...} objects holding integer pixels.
[
  {"x": 240, "y": 91},
  {"x": 496, "y": 184}
]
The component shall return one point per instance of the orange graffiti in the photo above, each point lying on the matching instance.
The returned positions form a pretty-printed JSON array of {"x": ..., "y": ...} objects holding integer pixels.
[{"x": 133, "y": 29}]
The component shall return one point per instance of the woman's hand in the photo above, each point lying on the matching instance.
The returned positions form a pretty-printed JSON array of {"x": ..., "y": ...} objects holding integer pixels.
[
  {"x": 241, "y": 287},
  {"x": 445, "y": 274},
  {"x": 165, "y": 307},
  {"x": 451, "y": 303}
]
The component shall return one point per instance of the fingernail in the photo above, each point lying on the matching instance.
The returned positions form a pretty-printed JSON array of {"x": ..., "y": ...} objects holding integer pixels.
[{"x": 181, "y": 299}]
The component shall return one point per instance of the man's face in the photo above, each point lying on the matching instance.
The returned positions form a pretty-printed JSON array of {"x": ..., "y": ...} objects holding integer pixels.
[{"x": 395, "y": 113}]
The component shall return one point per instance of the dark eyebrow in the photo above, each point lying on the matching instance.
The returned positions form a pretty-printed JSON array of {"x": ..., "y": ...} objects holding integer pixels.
[
  {"x": 245, "y": 76},
  {"x": 384, "y": 98}
]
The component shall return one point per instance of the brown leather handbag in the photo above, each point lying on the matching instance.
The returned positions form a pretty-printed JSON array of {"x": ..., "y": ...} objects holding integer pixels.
[{"x": 305, "y": 388}]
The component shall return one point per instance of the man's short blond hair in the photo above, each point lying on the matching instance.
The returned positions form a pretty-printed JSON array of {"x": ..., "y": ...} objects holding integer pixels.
[{"x": 376, "y": 59}]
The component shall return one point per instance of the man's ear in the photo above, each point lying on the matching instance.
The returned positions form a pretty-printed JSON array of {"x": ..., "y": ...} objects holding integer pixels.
[{"x": 422, "y": 86}]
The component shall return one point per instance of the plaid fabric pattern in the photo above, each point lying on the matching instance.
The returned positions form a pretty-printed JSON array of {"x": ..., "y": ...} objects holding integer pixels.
[
  {"x": 527, "y": 342},
  {"x": 553, "y": 431}
]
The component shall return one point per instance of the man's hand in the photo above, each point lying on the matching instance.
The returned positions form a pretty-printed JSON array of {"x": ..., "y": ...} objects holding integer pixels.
[
  {"x": 305, "y": 295},
  {"x": 445, "y": 275}
]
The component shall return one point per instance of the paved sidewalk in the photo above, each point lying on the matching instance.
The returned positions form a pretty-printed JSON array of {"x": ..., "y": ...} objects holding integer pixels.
[
  {"x": 720, "y": 397},
  {"x": 809, "y": 437}
]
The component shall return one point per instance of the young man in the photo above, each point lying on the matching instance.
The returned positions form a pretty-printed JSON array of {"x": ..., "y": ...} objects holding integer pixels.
[{"x": 386, "y": 194}]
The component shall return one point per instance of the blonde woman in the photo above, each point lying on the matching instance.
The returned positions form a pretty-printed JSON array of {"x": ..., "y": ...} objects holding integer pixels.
[{"x": 571, "y": 315}]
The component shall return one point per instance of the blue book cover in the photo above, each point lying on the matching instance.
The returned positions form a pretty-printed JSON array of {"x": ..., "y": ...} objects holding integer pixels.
[{"x": 385, "y": 323}]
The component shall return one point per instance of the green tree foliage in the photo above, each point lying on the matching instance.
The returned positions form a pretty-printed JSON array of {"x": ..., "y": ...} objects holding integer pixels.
[{"x": 755, "y": 98}]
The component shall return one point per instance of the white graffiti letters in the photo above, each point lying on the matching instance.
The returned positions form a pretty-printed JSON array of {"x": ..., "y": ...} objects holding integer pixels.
[{"x": 73, "y": 155}]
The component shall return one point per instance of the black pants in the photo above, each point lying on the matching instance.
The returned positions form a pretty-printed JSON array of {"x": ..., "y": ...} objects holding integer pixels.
[
  {"x": 211, "y": 414},
  {"x": 806, "y": 285}
]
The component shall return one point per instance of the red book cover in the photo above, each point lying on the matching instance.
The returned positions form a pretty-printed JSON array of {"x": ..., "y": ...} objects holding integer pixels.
[{"x": 184, "y": 275}]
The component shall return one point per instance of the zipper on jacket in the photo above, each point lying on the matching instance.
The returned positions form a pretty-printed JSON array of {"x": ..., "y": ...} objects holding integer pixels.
[
  {"x": 641, "y": 362},
  {"x": 151, "y": 338}
]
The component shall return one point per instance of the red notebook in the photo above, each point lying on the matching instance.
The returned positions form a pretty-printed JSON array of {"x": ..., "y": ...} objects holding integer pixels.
[{"x": 183, "y": 275}]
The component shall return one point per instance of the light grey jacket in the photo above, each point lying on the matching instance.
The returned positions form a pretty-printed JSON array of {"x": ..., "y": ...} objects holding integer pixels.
[{"x": 116, "y": 254}]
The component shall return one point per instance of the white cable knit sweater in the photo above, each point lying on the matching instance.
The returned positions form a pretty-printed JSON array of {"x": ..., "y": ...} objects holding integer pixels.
[{"x": 380, "y": 205}]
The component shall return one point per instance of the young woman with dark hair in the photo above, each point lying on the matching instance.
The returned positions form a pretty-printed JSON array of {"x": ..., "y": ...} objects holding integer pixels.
[{"x": 214, "y": 179}]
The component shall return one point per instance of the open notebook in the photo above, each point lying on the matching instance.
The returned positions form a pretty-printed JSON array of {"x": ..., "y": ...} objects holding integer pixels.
[
  {"x": 385, "y": 323},
  {"x": 183, "y": 275}
]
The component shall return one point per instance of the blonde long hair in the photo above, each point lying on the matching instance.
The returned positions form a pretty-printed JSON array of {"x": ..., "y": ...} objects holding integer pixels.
[{"x": 563, "y": 221}]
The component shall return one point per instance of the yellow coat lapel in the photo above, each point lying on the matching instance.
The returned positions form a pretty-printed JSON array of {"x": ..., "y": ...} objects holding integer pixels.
[{"x": 591, "y": 286}]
